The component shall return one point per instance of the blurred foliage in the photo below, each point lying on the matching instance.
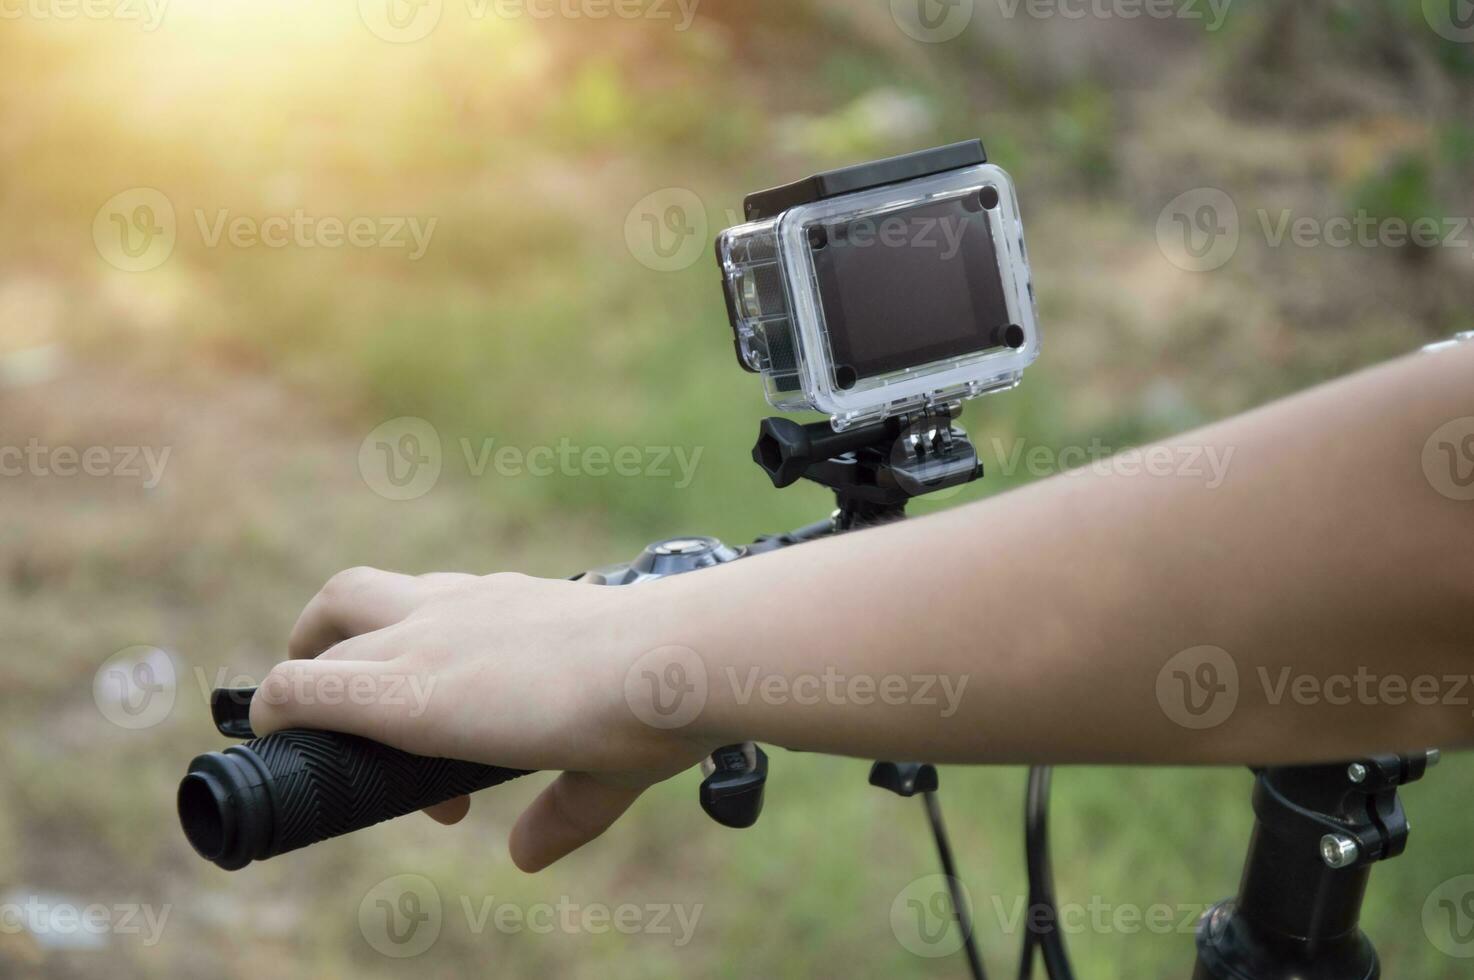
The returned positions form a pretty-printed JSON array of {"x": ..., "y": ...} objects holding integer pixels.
[
  {"x": 1404, "y": 190},
  {"x": 530, "y": 319},
  {"x": 1084, "y": 131}
]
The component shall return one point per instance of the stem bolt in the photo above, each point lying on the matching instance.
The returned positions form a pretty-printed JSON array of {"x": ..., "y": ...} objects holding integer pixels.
[
  {"x": 1356, "y": 772},
  {"x": 1339, "y": 851}
]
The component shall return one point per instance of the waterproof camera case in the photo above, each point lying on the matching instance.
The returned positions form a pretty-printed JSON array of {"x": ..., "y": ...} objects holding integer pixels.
[{"x": 877, "y": 290}]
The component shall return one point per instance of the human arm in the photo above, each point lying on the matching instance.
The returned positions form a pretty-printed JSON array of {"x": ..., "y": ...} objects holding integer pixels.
[{"x": 1053, "y": 611}]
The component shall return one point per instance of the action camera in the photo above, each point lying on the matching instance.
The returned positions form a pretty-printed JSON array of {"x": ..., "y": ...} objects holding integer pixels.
[{"x": 882, "y": 289}]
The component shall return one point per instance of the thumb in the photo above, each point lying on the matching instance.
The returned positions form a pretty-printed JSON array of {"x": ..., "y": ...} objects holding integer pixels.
[{"x": 573, "y": 810}]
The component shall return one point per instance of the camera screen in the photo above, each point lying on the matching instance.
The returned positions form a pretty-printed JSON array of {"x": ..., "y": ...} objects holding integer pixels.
[{"x": 912, "y": 287}]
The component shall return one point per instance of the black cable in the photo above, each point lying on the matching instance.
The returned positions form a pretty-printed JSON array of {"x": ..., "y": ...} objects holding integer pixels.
[
  {"x": 1026, "y": 961},
  {"x": 1043, "y": 908},
  {"x": 954, "y": 884},
  {"x": 1031, "y": 942}
]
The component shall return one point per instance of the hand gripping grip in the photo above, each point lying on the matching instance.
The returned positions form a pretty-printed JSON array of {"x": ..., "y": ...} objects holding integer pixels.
[{"x": 293, "y": 788}]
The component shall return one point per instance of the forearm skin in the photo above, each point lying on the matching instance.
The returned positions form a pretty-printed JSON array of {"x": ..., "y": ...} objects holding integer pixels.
[{"x": 1326, "y": 550}]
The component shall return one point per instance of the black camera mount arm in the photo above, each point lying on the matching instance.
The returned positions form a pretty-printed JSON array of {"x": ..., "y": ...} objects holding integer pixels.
[{"x": 873, "y": 469}]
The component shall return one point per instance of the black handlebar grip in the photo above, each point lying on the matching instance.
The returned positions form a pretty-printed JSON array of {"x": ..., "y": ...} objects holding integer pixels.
[{"x": 293, "y": 788}]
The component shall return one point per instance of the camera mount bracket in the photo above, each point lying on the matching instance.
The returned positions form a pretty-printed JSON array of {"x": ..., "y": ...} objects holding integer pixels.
[{"x": 875, "y": 469}]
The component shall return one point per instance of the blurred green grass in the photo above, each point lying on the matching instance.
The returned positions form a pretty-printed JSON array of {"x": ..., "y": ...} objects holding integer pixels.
[{"x": 529, "y": 320}]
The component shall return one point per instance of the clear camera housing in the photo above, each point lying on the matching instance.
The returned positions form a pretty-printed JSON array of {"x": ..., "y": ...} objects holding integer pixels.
[{"x": 878, "y": 290}]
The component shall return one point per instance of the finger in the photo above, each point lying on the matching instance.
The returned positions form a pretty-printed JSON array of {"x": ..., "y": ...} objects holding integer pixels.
[
  {"x": 573, "y": 810},
  {"x": 451, "y": 811},
  {"x": 380, "y": 645},
  {"x": 371, "y": 698},
  {"x": 302, "y": 690},
  {"x": 356, "y": 601}
]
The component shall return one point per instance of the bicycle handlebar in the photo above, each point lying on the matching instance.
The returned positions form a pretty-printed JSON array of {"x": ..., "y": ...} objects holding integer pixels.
[{"x": 293, "y": 788}]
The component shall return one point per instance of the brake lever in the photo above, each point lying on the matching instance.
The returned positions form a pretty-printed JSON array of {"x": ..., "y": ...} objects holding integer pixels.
[{"x": 732, "y": 792}]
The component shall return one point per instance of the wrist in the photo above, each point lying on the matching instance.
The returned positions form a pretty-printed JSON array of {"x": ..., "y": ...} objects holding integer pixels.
[
  {"x": 675, "y": 659},
  {"x": 650, "y": 685}
]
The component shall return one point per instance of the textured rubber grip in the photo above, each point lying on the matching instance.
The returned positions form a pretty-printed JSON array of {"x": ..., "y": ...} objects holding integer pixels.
[{"x": 293, "y": 788}]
